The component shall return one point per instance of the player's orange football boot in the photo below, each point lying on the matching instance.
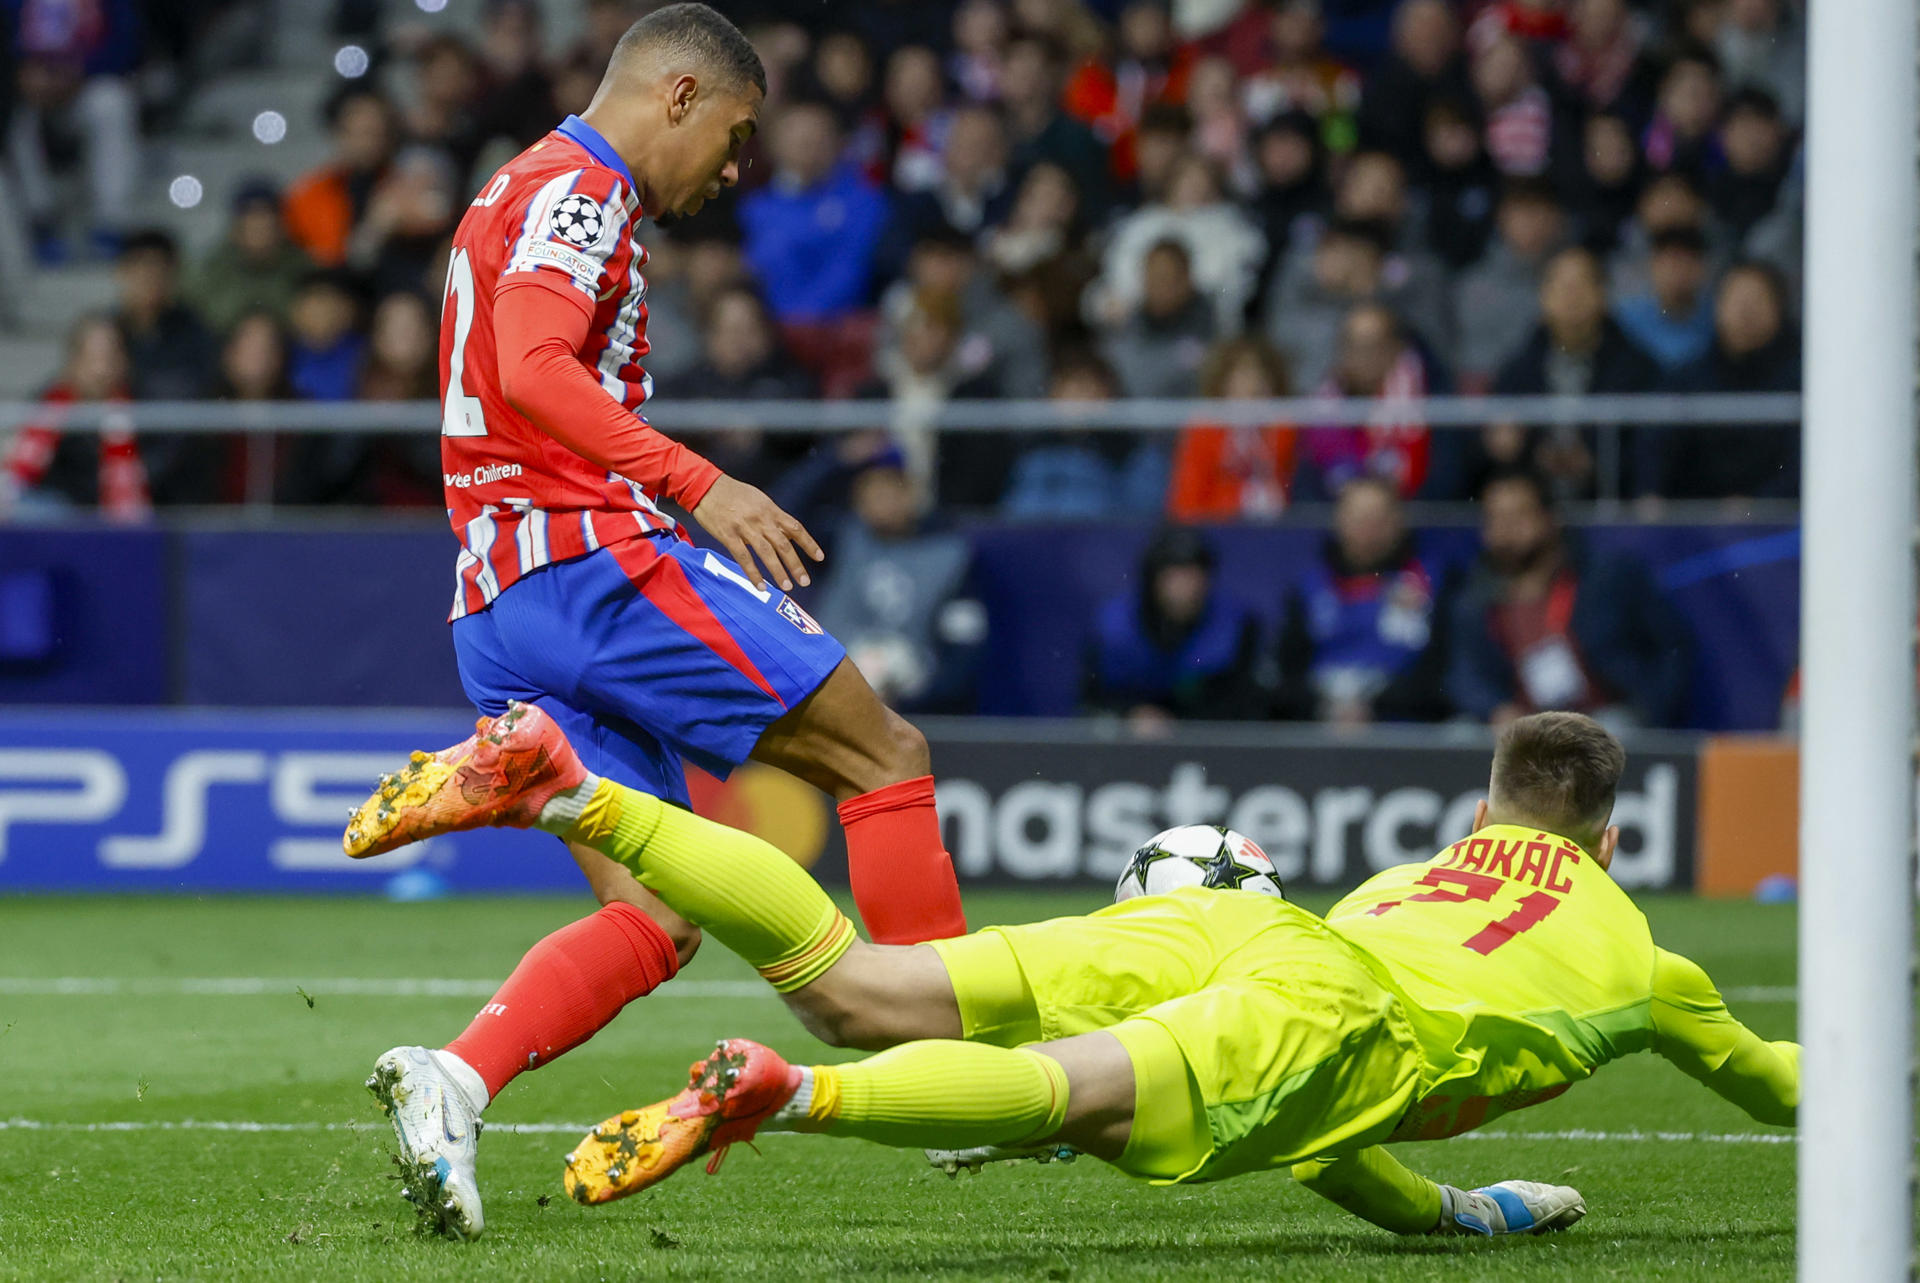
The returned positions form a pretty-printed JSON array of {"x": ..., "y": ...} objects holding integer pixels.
[
  {"x": 503, "y": 775},
  {"x": 730, "y": 1094}
]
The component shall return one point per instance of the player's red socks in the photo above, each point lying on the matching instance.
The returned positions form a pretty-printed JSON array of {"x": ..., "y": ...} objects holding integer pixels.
[
  {"x": 567, "y": 988},
  {"x": 902, "y": 876}
]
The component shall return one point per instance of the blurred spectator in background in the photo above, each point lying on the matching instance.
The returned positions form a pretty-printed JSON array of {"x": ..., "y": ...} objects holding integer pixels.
[
  {"x": 403, "y": 364},
  {"x": 901, "y": 594},
  {"x": 1360, "y": 639},
  {"x": 1544, "y": 623},
  {"x": 1754, "y": 142},
  {"x": 445, "y": 109},
  {"x": 1073, "y": 473},
  {"x": 1290, "y": 166},
  {"x": 1178, "y": 645},
  {"x": 998, "y": 345},
  {"x": 1668, "y": 201},
  {"x": 1599, "y": 63},
  {"x": 1460, "y": 185},
  {"x": 74, "y": 101},
  {"x": 980, "y": 35},
  {"x": 918, "y": 373},
  {"x": 253, "y": 367},
  {"x": 1373, "y": 192},
  {"x": 1761, "y": 45},
  {"x": 1030, "y": 85},
  {"x": 1681, "y": 135},
  {"x": 1673, "y": 320},
  {"x": 686, "y": 271},
  {"x": 1112, "y": 94},
  {"x": 1224, "y": 249},
  {"x": 406, "y": 222},
  {"x": 1219, "y": 121},
  {"x": 253, "y": 267},
  {"x": 1517, "y": 111},
  {"x": 1163, "y": 137},
  {"x": 916, "y": 119},
  {"x": 323, "y": 354},
  {"x": 1606, "y": 187},
  {"x": 1225, "y": 473},
  {"x": 1497, "y": 298},
  {"x": 841, "y": 76},
  {"x": 516, "y": 97},
  {"x": 1424, "y": 62},
  {"x": 1158, "y": 351},
  {"x": 742, "y": 360},
  {"x": 324, "y": 206},
  {"x": 1576, "y": 350},
  {"x": 1379, "y": 362},
  {"x": 811, "y": 234},
  {"x": 170, "y": 351},
  {"x": 44, "y": 469},
  {"x": 972, "y": 196},
  {"x": 1755, "y": 349},
  {"x": 1317, "y": 289},
  {"x": 1291, "y": 70}
]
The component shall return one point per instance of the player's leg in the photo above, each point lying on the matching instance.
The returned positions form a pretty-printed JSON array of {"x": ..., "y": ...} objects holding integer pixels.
[
  {"x": 1377, "y": 1187},
  {"x": 724, "y": 672},
  {"x": 874, "y": 763}
]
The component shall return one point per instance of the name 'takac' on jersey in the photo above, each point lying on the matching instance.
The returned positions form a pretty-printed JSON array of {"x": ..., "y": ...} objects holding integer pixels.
[{"x": 518, "y": 499}]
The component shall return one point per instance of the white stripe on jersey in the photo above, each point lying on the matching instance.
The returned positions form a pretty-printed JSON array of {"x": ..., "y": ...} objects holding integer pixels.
[
  {"x": 460, "y": 567},
  {"x": 481, "y": 532},
  {"x": 530, "y": 537},
  {"x": 622, "y": 334},
  {"x": 591, "y": 540}
]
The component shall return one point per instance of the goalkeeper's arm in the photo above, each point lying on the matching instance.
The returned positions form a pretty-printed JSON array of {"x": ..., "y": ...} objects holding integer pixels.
[{"x": 1693, "y": 1029}]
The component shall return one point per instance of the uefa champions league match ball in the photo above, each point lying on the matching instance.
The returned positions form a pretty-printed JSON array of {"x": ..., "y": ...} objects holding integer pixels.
[{"x": 1198, "y": 855}]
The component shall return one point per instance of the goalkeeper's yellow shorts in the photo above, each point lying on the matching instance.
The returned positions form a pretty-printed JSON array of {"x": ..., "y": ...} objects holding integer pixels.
[{"x": 1258, "y": 1037}]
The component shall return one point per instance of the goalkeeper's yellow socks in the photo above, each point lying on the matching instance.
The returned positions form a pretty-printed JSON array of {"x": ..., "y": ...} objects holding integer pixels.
[
  {"x": 933, "y": 1095},
  {"x": 746, "y": 894}
]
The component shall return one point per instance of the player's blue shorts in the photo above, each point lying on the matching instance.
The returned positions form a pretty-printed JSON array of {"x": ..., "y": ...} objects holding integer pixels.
[{"x": 647, "y": 653}]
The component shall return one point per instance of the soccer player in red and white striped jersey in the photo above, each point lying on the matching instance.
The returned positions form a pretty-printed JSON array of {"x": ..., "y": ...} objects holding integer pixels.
[{"x": 576, "y": 592}]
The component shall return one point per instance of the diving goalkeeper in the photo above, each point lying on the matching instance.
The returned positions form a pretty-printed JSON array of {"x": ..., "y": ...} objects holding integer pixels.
[{"x": 1183, "y": 1037}]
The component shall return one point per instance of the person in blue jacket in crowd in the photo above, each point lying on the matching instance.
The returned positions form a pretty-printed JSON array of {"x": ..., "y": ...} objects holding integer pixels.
[
  {"x": 1362, "y": 638},
  {"x": 811, "y": 234},
  {"x": 1179, "y": 645},
  {"x": 1544, "y": 622}
]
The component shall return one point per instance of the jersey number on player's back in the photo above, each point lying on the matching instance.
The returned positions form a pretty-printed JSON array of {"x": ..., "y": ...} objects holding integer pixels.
[
  {"x": 1457, "y": 886},
  {"x": 461, "y": 415}
]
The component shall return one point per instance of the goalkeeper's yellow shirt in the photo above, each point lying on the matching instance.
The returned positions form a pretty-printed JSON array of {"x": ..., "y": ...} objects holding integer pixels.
[{"x": 1527, "y": 968}]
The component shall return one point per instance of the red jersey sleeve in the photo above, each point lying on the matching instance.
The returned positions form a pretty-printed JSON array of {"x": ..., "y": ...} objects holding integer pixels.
[{"x": 539, "y": 327}]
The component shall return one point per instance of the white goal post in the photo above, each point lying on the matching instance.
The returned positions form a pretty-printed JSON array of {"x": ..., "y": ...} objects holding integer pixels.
[{"x": 1857, "y": 628}]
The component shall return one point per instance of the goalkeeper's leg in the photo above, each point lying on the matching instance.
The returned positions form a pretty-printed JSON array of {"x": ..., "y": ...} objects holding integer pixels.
[{"x": 1377, "y": 1187}]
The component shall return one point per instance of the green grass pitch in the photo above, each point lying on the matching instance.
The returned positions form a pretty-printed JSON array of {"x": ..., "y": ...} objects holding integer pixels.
[{"x": 1679, "y": 1184}]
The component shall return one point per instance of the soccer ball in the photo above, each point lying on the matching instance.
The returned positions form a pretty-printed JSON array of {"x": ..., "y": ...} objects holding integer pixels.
[
  {"x": 577, "y": 220},
  {"x": 1198, "y": 855}
]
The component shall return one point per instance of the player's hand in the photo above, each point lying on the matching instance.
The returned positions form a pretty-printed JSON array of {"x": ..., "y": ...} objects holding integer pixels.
[{"x": 756, "y": 533}]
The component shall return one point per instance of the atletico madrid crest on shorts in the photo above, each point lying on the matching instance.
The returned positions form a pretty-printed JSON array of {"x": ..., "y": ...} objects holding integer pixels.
[{"x": 797, "y": 617}]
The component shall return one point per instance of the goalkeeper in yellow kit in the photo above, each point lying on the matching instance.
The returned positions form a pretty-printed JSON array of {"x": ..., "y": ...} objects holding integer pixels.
[{"x": 1182, "y": 1037}]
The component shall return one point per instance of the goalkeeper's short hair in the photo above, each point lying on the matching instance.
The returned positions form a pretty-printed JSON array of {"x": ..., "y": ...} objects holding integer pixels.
[{"x": 1559, "y": 771}]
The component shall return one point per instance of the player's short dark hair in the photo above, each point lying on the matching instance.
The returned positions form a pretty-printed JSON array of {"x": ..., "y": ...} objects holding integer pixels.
[
  {"x": 701, "y": 32},
  {"x": 1559, "y": 771}
]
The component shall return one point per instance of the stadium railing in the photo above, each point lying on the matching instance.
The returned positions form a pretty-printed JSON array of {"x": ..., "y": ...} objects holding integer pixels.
[{"x": 1609, "y": 417}]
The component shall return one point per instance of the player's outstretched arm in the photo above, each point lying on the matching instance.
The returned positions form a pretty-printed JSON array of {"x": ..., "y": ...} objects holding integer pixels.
[
  {"x": 1377, "y": 1187},
  {"x": 540, "y": 327},
  {"x": 1693, "y": 1029}
]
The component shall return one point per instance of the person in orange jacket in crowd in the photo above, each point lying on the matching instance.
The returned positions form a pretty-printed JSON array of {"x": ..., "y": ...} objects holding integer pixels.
[
  {"x": 324, "y": 205},
  {"x": 1223, "y": 473}
]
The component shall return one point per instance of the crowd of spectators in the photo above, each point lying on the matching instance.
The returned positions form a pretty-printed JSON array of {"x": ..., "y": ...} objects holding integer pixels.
[
  {"x": 1081, "y": 199},
  {"x": 1376, "y": 630}
]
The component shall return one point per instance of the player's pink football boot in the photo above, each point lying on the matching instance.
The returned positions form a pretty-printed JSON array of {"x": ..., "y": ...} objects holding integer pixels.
[
  {"x": 730, "y": 1094},
  {"x": 502, "y": 775}
]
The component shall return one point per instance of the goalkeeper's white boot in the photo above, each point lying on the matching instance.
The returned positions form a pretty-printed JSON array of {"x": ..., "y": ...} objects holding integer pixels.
[
  {"x": 436, "y": 1123},
  {"x": 955, "y": 1161},
  {"x": 1510, "y": 1207}
]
